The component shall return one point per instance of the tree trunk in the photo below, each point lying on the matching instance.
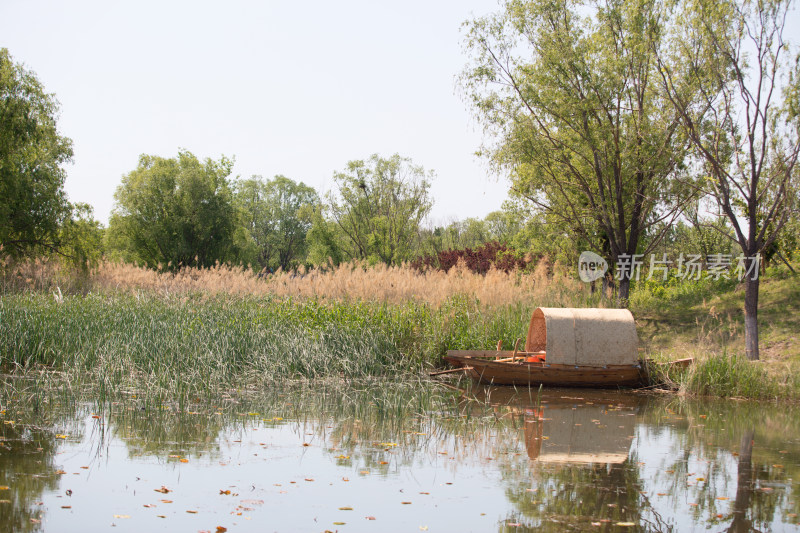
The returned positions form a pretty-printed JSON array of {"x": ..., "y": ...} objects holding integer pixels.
[
  {"x": 624, "y": 292},
  {"x": 751, "y": 316}
]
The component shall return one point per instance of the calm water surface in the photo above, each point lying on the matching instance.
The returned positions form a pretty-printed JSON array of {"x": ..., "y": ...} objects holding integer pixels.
[{"x": 383, "y": 460}]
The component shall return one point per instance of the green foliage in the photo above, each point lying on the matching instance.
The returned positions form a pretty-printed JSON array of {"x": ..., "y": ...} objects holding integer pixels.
[
  {"x": 277, "y": 215},
  {"x": 379, "y": 205},
  {"x": 82, "y": 238},
  {"x": 173, "y": 212},
  {"x": 569, "y": 94},
  {"x": 33, "y": 204}
]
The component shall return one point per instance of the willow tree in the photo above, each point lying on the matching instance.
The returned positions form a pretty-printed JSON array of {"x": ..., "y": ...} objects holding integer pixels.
[
  {"x": 746, "y": 125},
  {"x": 378, "y": 207},
  {"x": 569, "y": 94}
]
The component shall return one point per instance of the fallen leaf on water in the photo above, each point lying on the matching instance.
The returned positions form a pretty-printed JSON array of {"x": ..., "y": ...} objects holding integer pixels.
[
  {"x": 161, "y": 516},
  {"x": 423, "y": 528},
  {"x": 339, "y": 523},
  {"x": 3, "y": 487},
  {"x": 383, "y": 462},
  {"x": 184, "y": 460},
  {"x": 221, "y": 529},
  {"x": 370, "y": 517},
  {"x": 722, "y": 497},
  {"x": 406, "y": 503},
  {"x": 62, "y": 436},
  {"x": 60, "y": 472},
  {"x": 149, "y": 505},
  {"x": 174, "y": 456},
  {"x": 224, "y": 492},
  {"x": 389, "y": 444},
  {"x": 306, "y": 444},
  {"x": 166, "y": 501},
  {"x": 364, "y": 472},
  {"x": 309, "y": 479},
  {"x": 345, "y": 479},
  {"x": 701, "y": 479},
  {"x": 85, "y": 467},
  {"x": 121, "y": 516},
  {"x": 625, "y": 524},
  {"x": 66, "y": 507},
  {"x": 33, "y": 520},
  {"x": 253, "y": 502},
  {"x": 343, "y": 457},
  {"x": 163, "y": 490},
  {"x": 513, "y": 524},
  {"x": 426, "y": 493},
  {"x": 777, "y": 466},
  {"x": 5, "y": 501},
  {"x": 345, "y": 508},
  {"x": 191, "y": 512}
]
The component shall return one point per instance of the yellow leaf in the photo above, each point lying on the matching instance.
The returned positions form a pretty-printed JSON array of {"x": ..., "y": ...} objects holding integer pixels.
[
  {"x": 625, "y": 524},
  {"x": 345, "y": 508},
  {"x": 121, "y": 516}
]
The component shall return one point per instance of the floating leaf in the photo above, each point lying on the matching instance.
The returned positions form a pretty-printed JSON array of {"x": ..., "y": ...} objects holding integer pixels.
[
  {"x": 149, "y": 505},
  {"x": 345, "y": 508},
  {"x": 191, "y": 511},
  {"x": 224, "y": 492},
  {"x": 184, "y": 460},
  {"x": 62, "y": 436},
  {"x": 722, "y": 497},
  {"x": 370, "y": 518},
  {"x": 339, "y": 523},
  {"x": 221, "y": 529},
  {"x": 406, "y": 503},
  {"x": 625, "y": 524},
  {"x": 4, "y": 487},
  {"x": 66, "y": 507},
  {"x": 163, "y": 490},
  {"x": 121, "y": 516},
  {"x": 174, "y": 456},
  {"x": 166, "y": 501},
  {"x": 60, "y": 472}
]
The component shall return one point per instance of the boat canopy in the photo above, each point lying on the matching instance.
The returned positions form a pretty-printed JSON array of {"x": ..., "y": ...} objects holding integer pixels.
[{"x": 593, "y": 337}]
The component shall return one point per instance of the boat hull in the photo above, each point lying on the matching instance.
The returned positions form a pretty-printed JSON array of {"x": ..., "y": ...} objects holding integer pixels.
[{"x": 527, "y": 373}]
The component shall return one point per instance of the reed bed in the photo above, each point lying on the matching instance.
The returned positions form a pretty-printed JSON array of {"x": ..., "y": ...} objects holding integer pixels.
[{"x": 347, "y": 283}]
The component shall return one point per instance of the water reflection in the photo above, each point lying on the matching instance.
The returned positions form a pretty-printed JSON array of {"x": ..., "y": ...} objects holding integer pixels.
[{"x": 469, "y": 460}]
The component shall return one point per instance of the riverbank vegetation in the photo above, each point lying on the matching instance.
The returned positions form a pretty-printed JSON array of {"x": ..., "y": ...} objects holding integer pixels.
[{"x": 198, "y": 330}]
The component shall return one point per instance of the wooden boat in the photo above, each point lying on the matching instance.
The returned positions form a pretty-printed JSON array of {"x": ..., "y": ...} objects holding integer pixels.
[
  {"x": 482, "y": 367},
  {"x": 564, "y": 347}
]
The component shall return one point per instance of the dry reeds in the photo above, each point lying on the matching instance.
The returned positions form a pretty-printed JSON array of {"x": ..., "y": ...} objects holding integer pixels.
[{"x": 347, "y": 282}]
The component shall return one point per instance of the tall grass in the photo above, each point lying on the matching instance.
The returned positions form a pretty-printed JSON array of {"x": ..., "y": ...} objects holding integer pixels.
[{"x": 348, "y": 282}]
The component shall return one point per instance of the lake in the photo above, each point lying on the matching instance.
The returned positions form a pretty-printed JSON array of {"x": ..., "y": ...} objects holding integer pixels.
[{"x": 380, "y": 456}]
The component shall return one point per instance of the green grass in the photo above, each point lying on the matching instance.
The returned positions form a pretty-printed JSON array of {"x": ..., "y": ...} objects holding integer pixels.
[{"x": 201, "y": 344}]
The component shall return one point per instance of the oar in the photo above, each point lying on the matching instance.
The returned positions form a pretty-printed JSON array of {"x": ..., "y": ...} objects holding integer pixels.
[{"x": 440, "y": 372}]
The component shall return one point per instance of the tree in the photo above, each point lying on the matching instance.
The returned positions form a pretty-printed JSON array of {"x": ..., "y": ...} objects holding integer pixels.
[
  {"x": 733, "y": 53},
  {"x": 570, "y": 93},
  {"x": 33, "y": 204},
  {"x": 379, "y": 205},
  {"x": 81, "y": 237},
  {"x": 175, "y": 212},
  {"x": 277, "y": 214}
]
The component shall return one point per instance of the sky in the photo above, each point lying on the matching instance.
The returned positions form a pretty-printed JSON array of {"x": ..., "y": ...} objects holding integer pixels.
[{"x": 291, "y": 88}]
